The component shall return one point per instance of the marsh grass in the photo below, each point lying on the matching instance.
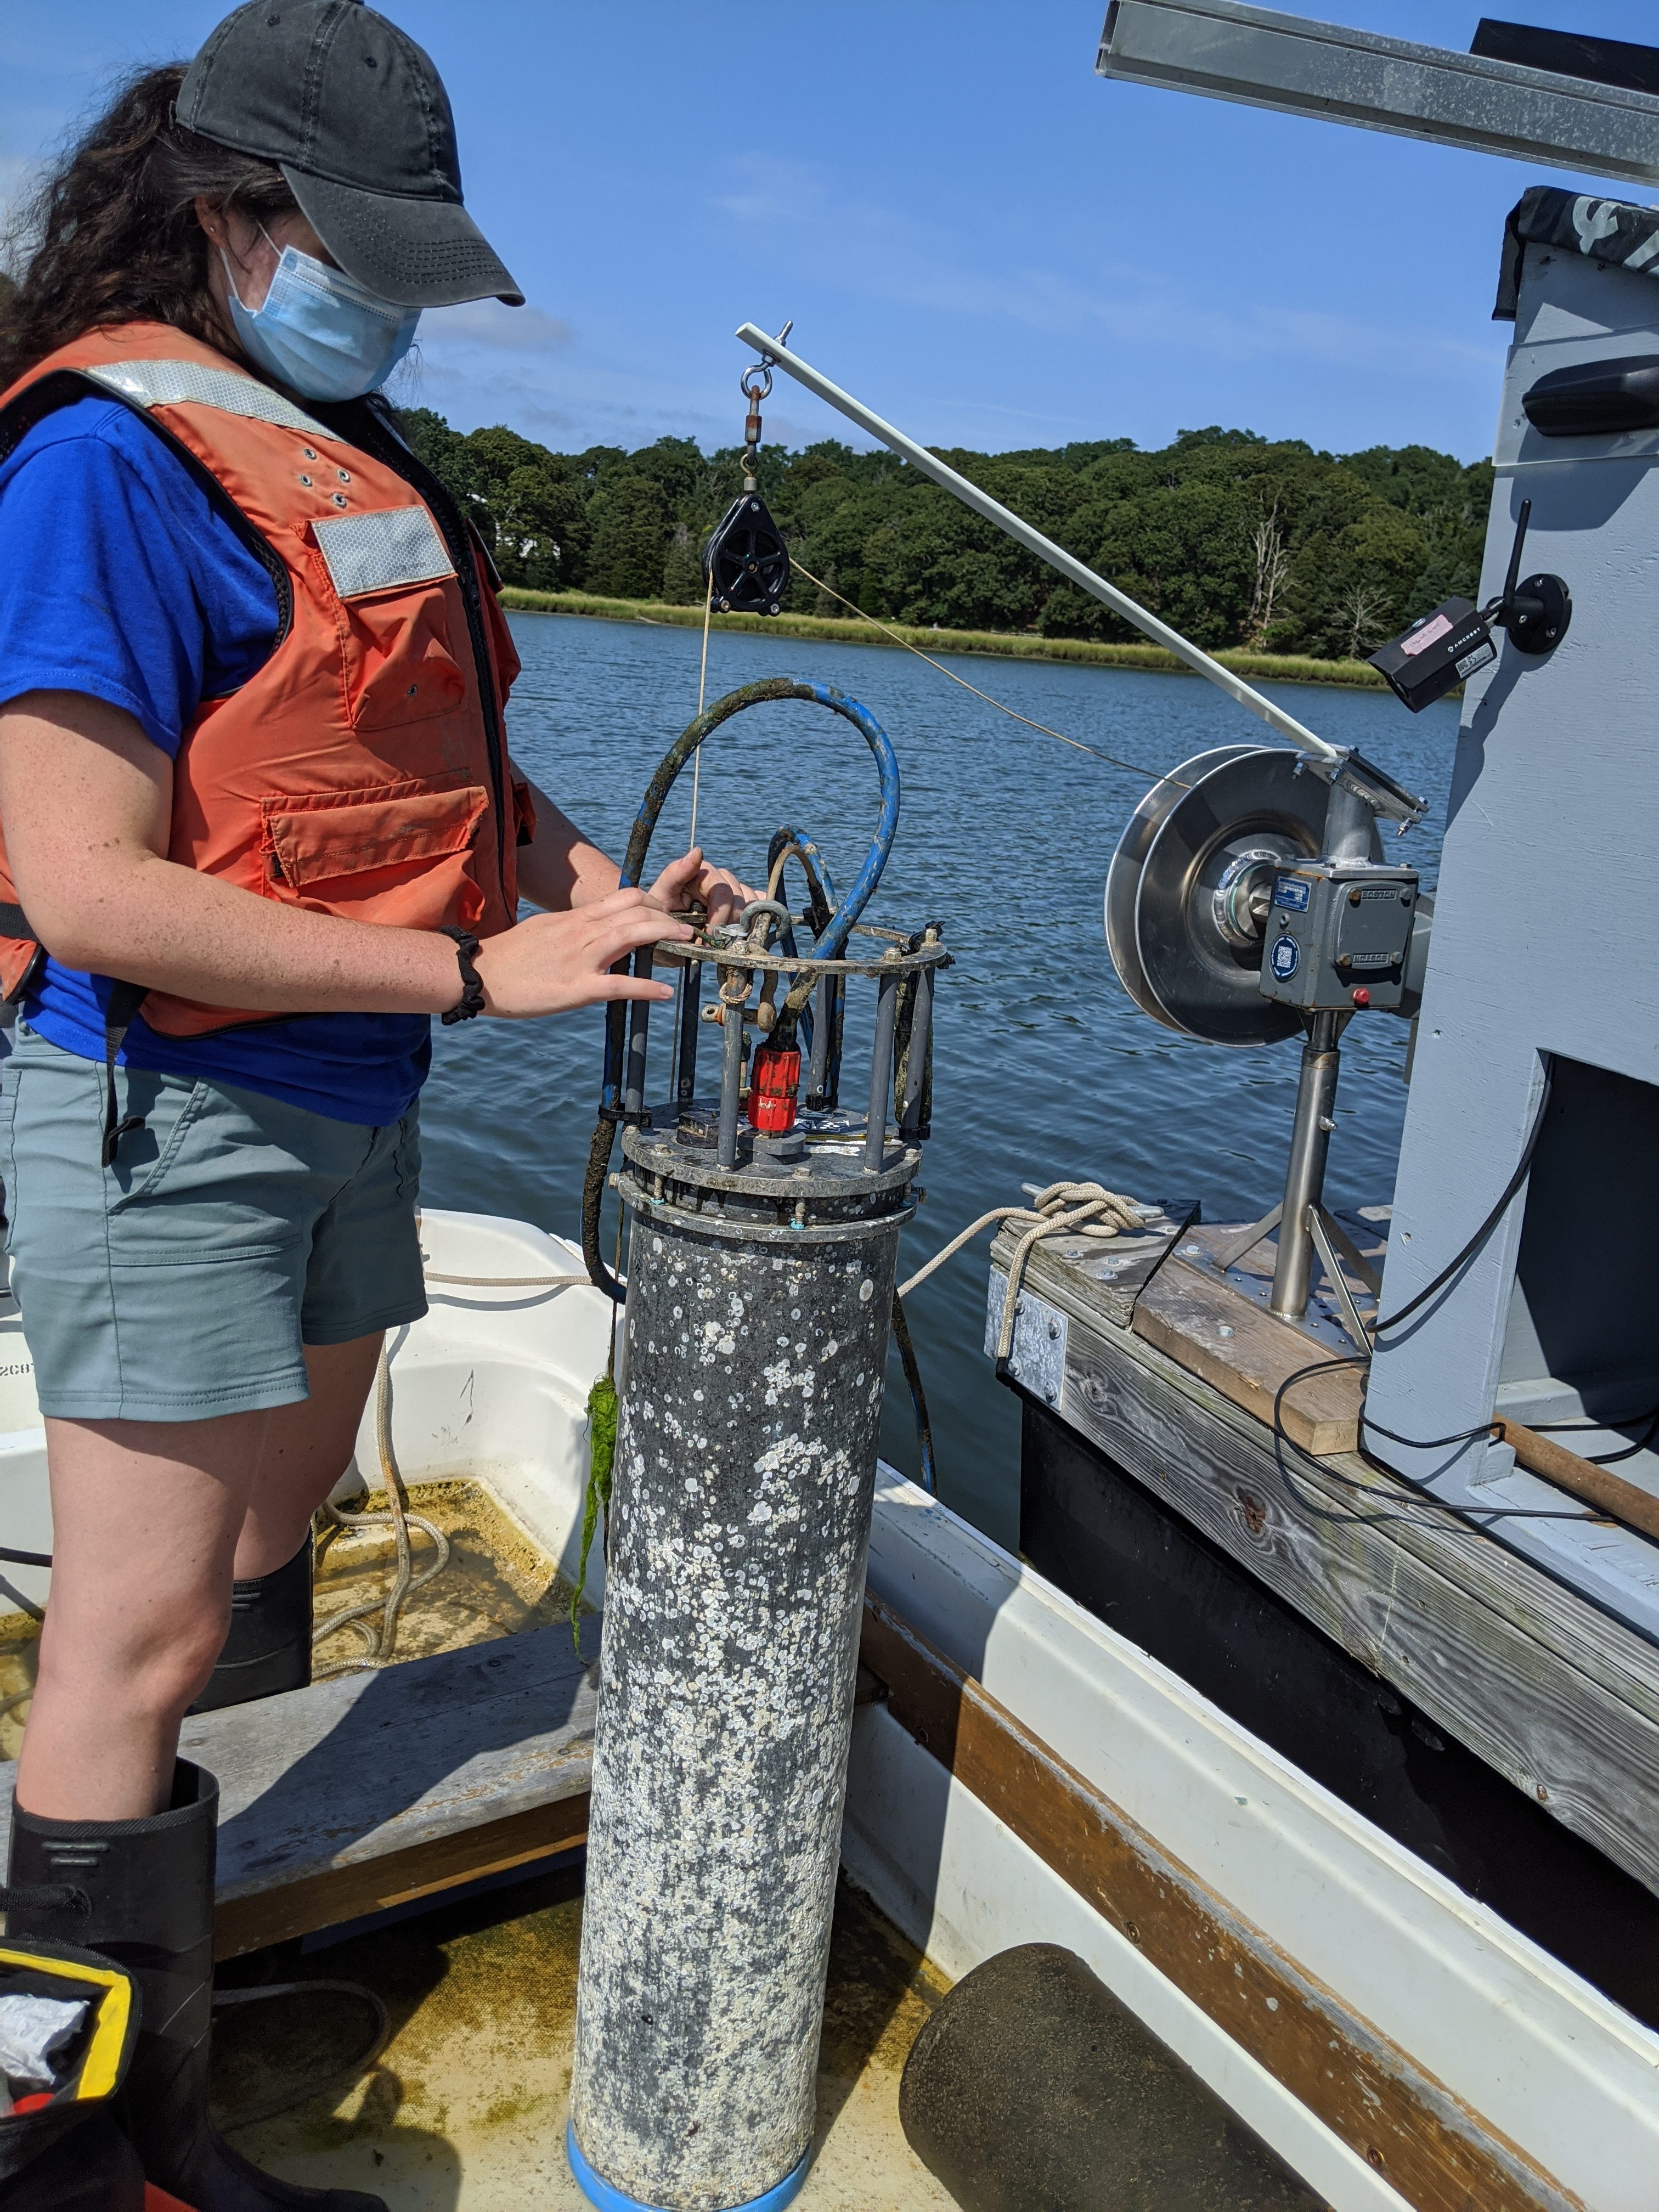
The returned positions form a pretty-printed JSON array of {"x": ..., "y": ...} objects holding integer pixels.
[{"x": 1007, "y": 645}]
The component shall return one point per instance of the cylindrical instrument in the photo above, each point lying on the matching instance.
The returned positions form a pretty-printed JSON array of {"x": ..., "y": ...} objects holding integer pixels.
[{"x": 756, "y": 1322}]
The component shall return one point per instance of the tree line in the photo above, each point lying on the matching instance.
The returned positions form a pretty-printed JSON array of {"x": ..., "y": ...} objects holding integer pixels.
[{"x": 1236, "y": 539}]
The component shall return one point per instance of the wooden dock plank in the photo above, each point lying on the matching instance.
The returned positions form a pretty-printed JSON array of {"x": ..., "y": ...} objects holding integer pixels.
[
  {"x": 375, "y": 1787},
  {"x": 1548, "y": 1690},
  {"x": 1185, "y": 1313}
]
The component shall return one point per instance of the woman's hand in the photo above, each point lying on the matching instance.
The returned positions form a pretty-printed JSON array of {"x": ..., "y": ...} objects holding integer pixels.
[
  {"x": 692, "y": 879},
  {"x": 552, "y": 962}
]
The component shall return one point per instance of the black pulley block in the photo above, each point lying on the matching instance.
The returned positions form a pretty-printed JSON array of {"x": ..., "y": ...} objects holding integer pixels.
[
  {"x": 746, "y": 560},
  {"x": 1032, "y": 2089}
]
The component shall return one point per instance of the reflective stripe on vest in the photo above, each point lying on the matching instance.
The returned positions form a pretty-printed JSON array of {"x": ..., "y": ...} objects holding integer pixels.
[
  {"x": 191, "y": 384},
  {"x": 361, "y": 771}
]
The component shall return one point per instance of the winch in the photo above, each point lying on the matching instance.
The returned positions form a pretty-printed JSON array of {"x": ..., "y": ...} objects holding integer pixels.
[
  {"x": 760, "y": 1281},
  {"x": 1247, "y": 898}
]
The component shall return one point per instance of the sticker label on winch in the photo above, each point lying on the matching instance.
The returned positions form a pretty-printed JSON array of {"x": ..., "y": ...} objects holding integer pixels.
[
  {"x": 1292, "y": 893},
  {"x": 1286, "y": 958}
]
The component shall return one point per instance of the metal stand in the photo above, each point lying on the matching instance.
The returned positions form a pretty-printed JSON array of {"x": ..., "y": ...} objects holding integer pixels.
[{"x": 1305, "y": 1228}]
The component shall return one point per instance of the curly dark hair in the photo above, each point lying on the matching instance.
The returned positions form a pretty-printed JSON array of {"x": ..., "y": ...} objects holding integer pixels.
[{"x": 111, "y": 235}]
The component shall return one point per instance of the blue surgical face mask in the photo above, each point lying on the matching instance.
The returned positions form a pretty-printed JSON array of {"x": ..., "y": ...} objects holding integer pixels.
[{"x": 319, "y": 333}]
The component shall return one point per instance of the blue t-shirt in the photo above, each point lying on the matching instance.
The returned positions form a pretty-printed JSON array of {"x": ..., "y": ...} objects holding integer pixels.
[{"x": 121, "y": 577}]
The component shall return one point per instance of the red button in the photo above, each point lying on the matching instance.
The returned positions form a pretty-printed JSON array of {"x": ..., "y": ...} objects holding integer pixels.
[{"x": 1362, "y": 997}]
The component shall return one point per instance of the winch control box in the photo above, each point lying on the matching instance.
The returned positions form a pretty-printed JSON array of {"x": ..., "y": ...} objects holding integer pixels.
[{"x": 1337, "y": 935}]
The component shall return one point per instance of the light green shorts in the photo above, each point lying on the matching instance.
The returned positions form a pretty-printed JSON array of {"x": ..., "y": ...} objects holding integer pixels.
[{"x": 231, "y": 1229}]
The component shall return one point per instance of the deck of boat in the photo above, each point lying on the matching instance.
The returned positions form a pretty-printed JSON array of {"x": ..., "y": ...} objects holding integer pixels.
[{"x": 466, "y": 2102}]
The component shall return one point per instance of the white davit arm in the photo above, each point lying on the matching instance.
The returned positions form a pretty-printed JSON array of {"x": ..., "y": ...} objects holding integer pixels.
[{"x": 1045, "y": 549}]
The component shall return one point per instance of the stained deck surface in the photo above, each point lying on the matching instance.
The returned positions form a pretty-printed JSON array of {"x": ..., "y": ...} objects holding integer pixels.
[{"x": 466, "y": 2107}]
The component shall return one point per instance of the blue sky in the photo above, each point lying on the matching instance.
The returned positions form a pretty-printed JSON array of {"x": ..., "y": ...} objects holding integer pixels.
[{"x": 987, "y": 242}]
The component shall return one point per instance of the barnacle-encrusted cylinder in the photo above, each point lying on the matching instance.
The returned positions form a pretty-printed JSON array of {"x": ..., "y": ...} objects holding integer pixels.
[{"x": 756, "y": 1338}]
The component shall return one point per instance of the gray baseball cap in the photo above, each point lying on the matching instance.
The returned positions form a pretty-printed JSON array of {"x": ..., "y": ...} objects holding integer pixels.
[{"x": 356, "y": 118}]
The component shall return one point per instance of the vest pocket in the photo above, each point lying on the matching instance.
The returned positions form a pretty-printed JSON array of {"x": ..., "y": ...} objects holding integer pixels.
[
  {"x": 398, "y": 666},
  {"x": 399, "y": 854}
]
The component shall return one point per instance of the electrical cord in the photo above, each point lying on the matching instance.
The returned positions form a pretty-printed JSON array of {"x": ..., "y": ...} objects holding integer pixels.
[
  {"x": 1473, "y": 1517},
  {"x": 906, "y": 1351},
  {"x": 1648, "y": 1422},
  {"x": 1524, "y": 1167}
]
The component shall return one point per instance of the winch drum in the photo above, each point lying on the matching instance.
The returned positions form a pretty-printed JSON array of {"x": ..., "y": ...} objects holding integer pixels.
[{"x": 1165, "y": 907}]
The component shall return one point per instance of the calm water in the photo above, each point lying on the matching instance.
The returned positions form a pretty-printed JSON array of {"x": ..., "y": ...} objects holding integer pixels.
[{"x": 1045, "y": 1068}]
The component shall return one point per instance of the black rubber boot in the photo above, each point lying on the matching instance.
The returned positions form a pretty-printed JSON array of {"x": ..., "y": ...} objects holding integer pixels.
[
  {"x": 268, "y": 1646},
  {"x": 147, "y": 1887},
  {"x": 91, "y": 2168}
]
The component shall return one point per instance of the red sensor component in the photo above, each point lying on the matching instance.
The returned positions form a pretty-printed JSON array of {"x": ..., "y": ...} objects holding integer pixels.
[{"x": 774, "y": 1080}]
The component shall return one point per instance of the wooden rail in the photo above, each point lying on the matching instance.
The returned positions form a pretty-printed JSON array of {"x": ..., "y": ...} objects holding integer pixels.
[{"x": 1430, "y": 2146}]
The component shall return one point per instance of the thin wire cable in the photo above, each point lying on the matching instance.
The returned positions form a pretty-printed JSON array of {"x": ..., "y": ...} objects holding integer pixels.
[
  {"x": 1473, "y": 1517},
  {"x": 1522, "y": 1168},
  {"x": 1648, "y": 1422},
  {"x": 702, "y": 687},
  {"x": 1059, "y": 736}
]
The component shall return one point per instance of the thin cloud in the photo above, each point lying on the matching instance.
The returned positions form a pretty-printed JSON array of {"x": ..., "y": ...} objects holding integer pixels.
[
  {"x": 864, "y": 247},
  {"x": 487, "y": 324}
]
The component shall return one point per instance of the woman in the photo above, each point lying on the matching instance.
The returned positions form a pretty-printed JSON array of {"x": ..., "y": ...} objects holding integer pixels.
[{"x": 260, "y": 826}]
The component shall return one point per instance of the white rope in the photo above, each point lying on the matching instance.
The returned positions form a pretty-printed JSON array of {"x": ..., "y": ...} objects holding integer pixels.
[
  {"x": 509, "y": 1282},
  {"x": 1065, "y": 1209},
  {"x": 380, "y": 1638}
]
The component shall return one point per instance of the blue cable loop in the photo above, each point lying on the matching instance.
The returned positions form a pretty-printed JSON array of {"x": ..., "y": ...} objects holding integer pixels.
[{"x": 833, "y": 941}]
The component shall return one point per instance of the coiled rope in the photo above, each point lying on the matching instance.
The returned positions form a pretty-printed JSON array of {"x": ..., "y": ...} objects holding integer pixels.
[
  {"x": 380, "y": 1638},
  {"x": 1064, "y": 1209}
]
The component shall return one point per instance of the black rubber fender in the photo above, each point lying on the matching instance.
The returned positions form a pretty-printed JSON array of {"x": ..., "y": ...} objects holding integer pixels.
[{"x": 1031, "y": 2088}]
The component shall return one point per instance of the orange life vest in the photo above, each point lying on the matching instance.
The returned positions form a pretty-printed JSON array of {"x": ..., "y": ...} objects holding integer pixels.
[{"x": 362, "y": 770}]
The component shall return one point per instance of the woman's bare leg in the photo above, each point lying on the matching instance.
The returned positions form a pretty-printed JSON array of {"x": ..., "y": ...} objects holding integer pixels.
[
  {"x": 307, "y": 1449},
  {"x": 150, "y": 1521},
  {"x": 145, "y": 1521}
]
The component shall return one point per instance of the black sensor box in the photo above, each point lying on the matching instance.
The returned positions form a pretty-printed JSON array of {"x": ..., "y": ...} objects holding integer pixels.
[{"x": 1438, "y": 651}]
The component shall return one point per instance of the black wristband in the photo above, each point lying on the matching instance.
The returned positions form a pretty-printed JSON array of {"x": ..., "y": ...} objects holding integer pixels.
[{"x": 471, "y": 1000}]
